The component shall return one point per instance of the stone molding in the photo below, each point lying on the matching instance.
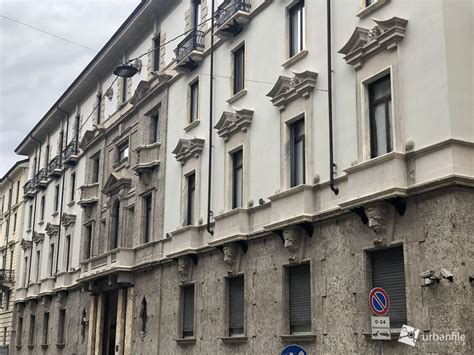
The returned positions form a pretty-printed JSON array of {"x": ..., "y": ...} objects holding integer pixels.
[
  {"x": 231, "y": 123},
  {"x": 293, "y": 238},
  {"x": 185, "y": 265},
  {"x": 376, "y": 216},
  {"x": 232, "y": 255},
  {"x": 37, "y": 237},
  {"x": 26, "y": 244},
  {"x": 363, "y": 43},
  {"x": 115, "y": 182},
  {"x": 188, "y": 148},
  {"x": 68, "y": 219},
  {"x": 288, "y": 89},
  {"x": 52, "y": 229}
]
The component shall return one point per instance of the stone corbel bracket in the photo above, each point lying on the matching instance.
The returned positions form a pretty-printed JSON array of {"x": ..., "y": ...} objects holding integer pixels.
[
  {"x": 185, "y": 268},
  {"x": 68, "y": 220},
  {"x": 233, "y": 256},
  {"x": 52, "y": 229},
  {"x": 293, "y": 238},
  {"x": 62, "y": 297},
  {"x": 188, "y": 148},
  {"x": 288, "y": 89},
  {"x": 37, "y": 237},
  {"x": 231, "y": 123},
  {"x": 363, "y": 43},
  {"x": 26, "y": 244}
]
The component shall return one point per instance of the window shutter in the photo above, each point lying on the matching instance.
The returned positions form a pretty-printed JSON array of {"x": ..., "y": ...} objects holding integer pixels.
[
  {"x": 236, "y": 305},
  {"x": 388, "y": 272},
  {"x": 300, "y": 298},
  {"x": 188, "y": 311}
]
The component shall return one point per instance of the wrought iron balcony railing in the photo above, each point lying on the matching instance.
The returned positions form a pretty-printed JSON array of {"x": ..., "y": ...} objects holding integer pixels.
[
  {"x": 29, "y": 188},
  {"x": 54, "y": 166},
  {"x": 41, "y": 178},
  {"x": 7, "y": 275},
  {"x": 229, "y": 8},
  {"x": 70, "y": 153},
  {"x": 194, "y": 41}
]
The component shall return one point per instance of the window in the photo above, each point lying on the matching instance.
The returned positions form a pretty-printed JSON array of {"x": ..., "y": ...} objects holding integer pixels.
[
  {"x": 155, "y": 126},
  {"x": 17, "y": 191},
  {"x": 30, "y": 216},
  {"x": 124, "y": 89},
  {"x": 236, "y": 306},
  {"x": 188, "y": 311},
  {"x": 88, "y": 241},
  {"x": 5, "y": 331},
  {"x": 62, "y": 326},
  {"x": 38, "y": 265},
  {"x": 95, "y": 169},
  {"x": 297, "y": 150},
  {"x": 297, "y": 28},
  {"x": 156, "y": 53},
  {"x": 196, "y": 13},
  {"x": 45, "y": 335},
  {"x": 99, "y": 108},
  {"x": 3, "y": 203},
  {"x": 19, "y": 332},
  {"x": 237, "y": 179},
  {"x": 299, "y": 290},
  {"x": 31, "y": 335},
  {"x": 67, "y": 249},
  {"x": 10, "y": 197},
  {"x": 77, "y": 127},
  {"x": 56, "y": 198},
  {"x": 14, "y": 222},
  {"x": 388, "y": 272},
  {"x": 369, "y": 2},
  {"x": 73, "y": 187},
  {"x": 148, "y": 225},
  {"x": 25, "y": 272},
  {"x": 191, "y": 200},
  {"x": 122, "y": 151},
  {"x": 42, "y": 207},
  {"x": 380, "y": 102},
  {"x": 194, "y": 101},
  {"x": 239, "y": 69},
  {"x": 51, "y": 260},
  {"x": 115, "y": 226},
  {"x": 7, "y": 300}
]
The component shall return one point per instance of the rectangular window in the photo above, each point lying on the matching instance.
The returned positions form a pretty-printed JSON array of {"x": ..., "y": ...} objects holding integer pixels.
[
  {"x": 95, "y": 169},
  {"x": 99, "y": 108},
  {"x": 3, "y": 204},
  {"x": 7, "y": 299},
  {"x": 31, "y": 337},
  {"x": 236, "y": 306},
  {"x": 155, "y": 127},
  {"x": 10, "y": 198},
  {"x": 38, "y": 265},
  {"x": 239, "y": 70},
  {"x": 5, "y": 331},
  {"x": 297, "y": 146},
  {"x": 297, "y": 28},
  {"x": 380, "y": 102},
  {"x": 7, "y": 228},
  {"x": 194, "y": 101},
  {"x": 196, "y": 13},
  {"x": 77, "y": 127},
  {"x": 14, "y": 222},
  {"x": 156, "y": 53},
  {"x": 62, "y": 326},
  {"x": 388, "y": 272},
  {"x": 42, "y": 207},
  {"x": 191, "y": 199},
  {"x": 88, "y": 241},
  {"x": 73, "y": 187},
  {"x": 45, "y": 336},
  {"x": 188, "y": 311},
  {"x": 124, "y": 89},
  {"x": 122, "y": 151},
  {"x": 56, "y": 198},
  {"x": 17, "y": 191},
  {"x": 67, "y": 249},
  {"x": 148, "y": 216},
  {"x": 19, "y": 332},
  {"x": 51, "y": 260},
  {"x": 237, "y": 179},
  {"x": 299, "y": 290},
  {"x": 25, "y": 272},
  {"x": 30, "y": 216}
]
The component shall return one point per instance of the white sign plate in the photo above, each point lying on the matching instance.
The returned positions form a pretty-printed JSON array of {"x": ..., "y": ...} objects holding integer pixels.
[{"x": 380, "y": 328}]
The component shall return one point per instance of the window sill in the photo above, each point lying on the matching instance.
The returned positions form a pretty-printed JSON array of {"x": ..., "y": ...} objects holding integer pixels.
[
  {"x": 296, "y": 58},
  {"x": 44, "y": 346},
  {"x": 185, "y": 341},
  {"x": 237, "y": 96},
  {"x": 371, "y": 8},
  {"x": 60, "y": 345},
  {"x": 121, "y": 164},
  {"x": 71, "y": 203},
  {"x": 234, "y": 340},
  {"x": 191, "y": 125},
  {"x": 54, "y": 214},
  {"x": 40, "y": 223},
  {"x": 31, "y": 346},
  {"x": 307, "y": 338}
]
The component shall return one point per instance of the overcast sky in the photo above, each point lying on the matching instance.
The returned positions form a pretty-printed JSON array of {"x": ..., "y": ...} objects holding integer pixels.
[{"x": 35, "y": 68}]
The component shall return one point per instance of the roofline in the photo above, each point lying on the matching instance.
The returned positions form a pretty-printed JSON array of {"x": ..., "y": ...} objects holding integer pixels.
[
  {"x": 12, "y": 169},
  {"x": 79, "y": 77}
]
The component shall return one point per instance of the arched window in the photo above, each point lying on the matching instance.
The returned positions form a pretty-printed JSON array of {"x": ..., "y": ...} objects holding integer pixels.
[
  {"x": 143, "y": 315},
  {"x": 114, "y": 242},
  {"x": 84, "y": 323}
]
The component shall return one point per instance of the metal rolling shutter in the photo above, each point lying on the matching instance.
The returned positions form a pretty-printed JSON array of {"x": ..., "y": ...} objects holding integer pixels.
[
  {"x": 388, "y": 272},
  {"x": 188, "y": 311},
  {"x": 300, "y": 298},
  {"x": 236, "y": 305}
]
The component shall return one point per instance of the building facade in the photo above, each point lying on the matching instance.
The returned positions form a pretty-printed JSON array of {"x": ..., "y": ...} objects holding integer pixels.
[
  {"x": 11, "y": 217},
  {"x": 172, "y": 213}
]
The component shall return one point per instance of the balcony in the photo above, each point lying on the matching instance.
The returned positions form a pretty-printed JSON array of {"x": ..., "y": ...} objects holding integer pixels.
[
  {"x": 231, "y": 18},
  {"x": 7, "y": 278},
  {"x": 89, "y": 195},
  {"x": 186, "y": 240},
  {"x": 71, "y": 154},
  {"x": 29, "y": 189},
  {"x": 41, "y": 179},
  {"x": 148, "y": 157},
  {"x": 114, "y": 261},
  {"x": 231, "y": 226},
  {"x": 54, "y": 167},
  {"x": 189, "y": 52}
]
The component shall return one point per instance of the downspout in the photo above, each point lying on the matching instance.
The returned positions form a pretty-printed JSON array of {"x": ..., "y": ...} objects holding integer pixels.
[
  {"x": 331, "y": 142},
  {"x": 211, "y": 104},
  {"x": 62, "y": 188},
  {"x": 34, "y": 214},
  {"x": 8, "y": 223}
]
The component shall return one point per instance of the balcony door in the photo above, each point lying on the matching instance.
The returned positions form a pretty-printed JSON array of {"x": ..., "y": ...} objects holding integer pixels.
[{"x": 110, "y": 323}]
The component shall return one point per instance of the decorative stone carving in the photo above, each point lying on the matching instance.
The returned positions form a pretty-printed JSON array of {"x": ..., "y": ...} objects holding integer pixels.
[
  {"x": 363, "y": 43},
  {"x": 376, "y": 215},
  {"x": 109, "y": 93},
  {"x": 26, "y": 244},
  {"x": 140, "y": 92},
  {"x": 37, "y": 237},
  {"x": 231, "y": 123},
  {"x": 68, "y": 220},
  {"x": 188, "y": 148},
  {"x": 288, "y": 89},
  {"x": 185, "y": 265},
  {"x": 32, "y": 305},
  {"x": 293, "y": 237},
  {"x": 52, "y": 229},
  {"x": 116, "y": 182},
  {"x": 46, "y": 301},
  {"x": 62, "y": 296},
  {"x": 90, "y": 136},
  {"x": 231, "y": 257}
]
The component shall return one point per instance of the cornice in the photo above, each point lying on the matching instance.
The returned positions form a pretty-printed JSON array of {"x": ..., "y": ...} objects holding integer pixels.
[
  {"x": 231, "y": 123},
  {"x": 188, "y": 148}
]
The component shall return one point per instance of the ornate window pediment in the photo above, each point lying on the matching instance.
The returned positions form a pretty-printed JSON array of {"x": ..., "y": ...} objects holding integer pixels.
[
  {"x": 37, "y": 237},
  {"x": 141, "y": 90},
  {"x": 52, "y": 229},
  {"x": 363, "y": 43},
  {"x": 231, "y": 123},
  {"x": 90, "y": 136},
  {"x": 26, "y": 244},
  {"x": 288, "y": 89},
  {"x": 68, "y": 219},
  {"x": 187, "y": 148},
  {"x": 116, "y": 182}
]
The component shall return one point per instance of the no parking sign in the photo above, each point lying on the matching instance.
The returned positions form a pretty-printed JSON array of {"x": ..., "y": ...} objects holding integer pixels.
[
  {"x": 379, "y": 301},
  {"x": 294, "y": 350}
]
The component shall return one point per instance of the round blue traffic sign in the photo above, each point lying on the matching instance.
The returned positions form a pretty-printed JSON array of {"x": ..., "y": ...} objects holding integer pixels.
[
  {"x": 379, "y": 301},
  {"x": 294, "y": 350}
]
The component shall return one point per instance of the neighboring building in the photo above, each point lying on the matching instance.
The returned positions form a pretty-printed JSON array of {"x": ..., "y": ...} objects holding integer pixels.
[
  {"x": 11, "y": 229},
  {"x": 118, "y": 255}
]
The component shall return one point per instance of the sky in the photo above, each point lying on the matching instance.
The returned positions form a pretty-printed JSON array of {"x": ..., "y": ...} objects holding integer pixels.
[{"x": 36, "y": 68}]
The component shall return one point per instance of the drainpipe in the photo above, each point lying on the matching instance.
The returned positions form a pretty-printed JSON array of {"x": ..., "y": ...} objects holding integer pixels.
[
  {"x": 331, "y": 142},
  {"x": 8, "y": 224},
  {"x": 62, "y": 188},
  {"x": 34, "y": 214},
  {"x": 211, "y": 104}
]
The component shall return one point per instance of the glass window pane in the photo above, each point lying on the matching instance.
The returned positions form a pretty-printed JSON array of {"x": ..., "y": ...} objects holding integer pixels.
[{"x": 380, "y": 129}]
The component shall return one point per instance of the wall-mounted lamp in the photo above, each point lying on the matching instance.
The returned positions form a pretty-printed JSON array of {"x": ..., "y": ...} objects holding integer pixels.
[{"x": 125, "y": 71}]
